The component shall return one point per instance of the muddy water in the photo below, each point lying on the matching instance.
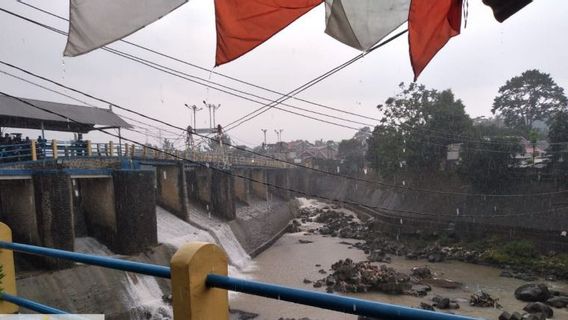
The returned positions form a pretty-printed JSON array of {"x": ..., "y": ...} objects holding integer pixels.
[{"x": 288, "y": 262}]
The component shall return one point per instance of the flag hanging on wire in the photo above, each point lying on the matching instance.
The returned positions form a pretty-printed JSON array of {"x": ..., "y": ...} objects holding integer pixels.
[
  {"x": 242, "y": 25},
  {"x": 96, "y": 23},
  {"x": 503, "y": 9},
  {"x": 363, "y": 23},
  {"x": 431, "y": 24}
]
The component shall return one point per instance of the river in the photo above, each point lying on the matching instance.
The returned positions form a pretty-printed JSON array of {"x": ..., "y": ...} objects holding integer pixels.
[{"x": 289, "y": 262}]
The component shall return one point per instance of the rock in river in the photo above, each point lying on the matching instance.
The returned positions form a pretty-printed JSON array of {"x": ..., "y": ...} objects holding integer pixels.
[{"x": 532, "y": 292}]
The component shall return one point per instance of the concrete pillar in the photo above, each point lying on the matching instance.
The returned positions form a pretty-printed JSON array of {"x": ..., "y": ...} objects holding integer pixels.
[
  {"x": 135, "y": 205},
  {"x": 258, "y": 189},
  {"x": 222, "y": 195},
  {"x": 279, "y": 178},
  {"x": 97, "y": 209},
  {"x": 203, "y": 183},
  {"x": 18, "y": 211},
  {"x": 54, "y": 209},
  {"x": 242, "y": 186},
  {"x": 171, "y": 193}
]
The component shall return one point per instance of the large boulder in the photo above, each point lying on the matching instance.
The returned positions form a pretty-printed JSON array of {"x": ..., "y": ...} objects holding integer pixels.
[
  {"x": 558, "y": 302},
  {"x": 539, "y": 307},
  {"x": 532, "y": 292}
]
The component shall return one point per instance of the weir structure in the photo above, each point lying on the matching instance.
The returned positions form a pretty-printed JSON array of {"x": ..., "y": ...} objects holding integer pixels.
[
  {"x": 110, "y": 191},
  {"x": 200, "y": 285}
]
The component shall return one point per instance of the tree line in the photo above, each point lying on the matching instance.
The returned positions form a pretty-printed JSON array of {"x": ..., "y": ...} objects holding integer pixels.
[{"x": 425, "y": 130}]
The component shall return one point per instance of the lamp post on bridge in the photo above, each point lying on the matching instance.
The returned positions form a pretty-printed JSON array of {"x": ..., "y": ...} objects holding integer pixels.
[{"x": 264, "y": 132}]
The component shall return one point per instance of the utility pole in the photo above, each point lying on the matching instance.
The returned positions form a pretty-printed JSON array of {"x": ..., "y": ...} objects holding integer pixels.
[
  {"x": 195, "y": 109},
  {"x": 264, "y": 132},
  {"x": 215, "y": 108},
  {"x": 209, "y": 106},
  {"x": 279, "y": 134}
]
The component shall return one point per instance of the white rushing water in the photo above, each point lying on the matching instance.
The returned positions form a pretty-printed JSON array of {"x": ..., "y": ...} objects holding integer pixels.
[
  {"x": 174, "y": 231},
  {"x": 225, "y": 237},
  {"x": 144, "y": 297}
]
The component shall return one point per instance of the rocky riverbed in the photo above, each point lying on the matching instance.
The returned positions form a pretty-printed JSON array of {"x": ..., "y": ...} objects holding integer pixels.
[{"x": 355, "y": 260}]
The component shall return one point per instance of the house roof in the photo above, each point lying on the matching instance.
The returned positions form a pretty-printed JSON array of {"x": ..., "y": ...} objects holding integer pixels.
[{"x": 73, "y": 118}]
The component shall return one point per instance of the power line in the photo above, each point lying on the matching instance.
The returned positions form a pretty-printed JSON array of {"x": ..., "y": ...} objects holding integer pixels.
[
  {"x": 325, "y": 75},
  {"x": 207, "y": 70},
  {"x": 273, "y": 104},
  {"x": 201, "y": 81},
  {"x": 281, "y": 187},
  {"x": 276, "y": 159}
]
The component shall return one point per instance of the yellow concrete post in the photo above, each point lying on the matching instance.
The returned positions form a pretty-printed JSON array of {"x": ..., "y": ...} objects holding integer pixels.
[
  {"x": 54, "y": 148},
  {"x": 8, "y": 283},
  {"x": 126, "y": 149},
  {"x": 144, "y": 152},
  {"x": 33, "y": 151},
  {"x": 111, "y": 147},
  {"x": 132, "y": 150},
  {"x": 89, "y": 149},
  {"x": 192, "y": 300}
]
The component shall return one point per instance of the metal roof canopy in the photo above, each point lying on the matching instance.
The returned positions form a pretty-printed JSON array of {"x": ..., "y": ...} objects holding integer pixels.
[{"x": 16, "y": 114}]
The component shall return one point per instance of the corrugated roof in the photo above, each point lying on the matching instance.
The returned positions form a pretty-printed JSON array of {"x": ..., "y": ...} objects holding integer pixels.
[{"x": 13, "y": 108}]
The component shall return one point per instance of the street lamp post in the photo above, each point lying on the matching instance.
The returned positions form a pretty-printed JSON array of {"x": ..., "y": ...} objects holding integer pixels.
[{"x": 195, "y": 109}]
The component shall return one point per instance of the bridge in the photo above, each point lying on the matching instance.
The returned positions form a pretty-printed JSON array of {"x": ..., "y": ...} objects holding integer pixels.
[{"x": 113, "y": 189}]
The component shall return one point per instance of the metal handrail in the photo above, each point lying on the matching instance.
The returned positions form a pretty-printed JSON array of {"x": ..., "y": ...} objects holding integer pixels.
[
  {"x": 29, "y": 304},
  {"x": 112, "y": 263},
  {"x": 318, "y": 299},
  {"x": 328, "y": 301}
]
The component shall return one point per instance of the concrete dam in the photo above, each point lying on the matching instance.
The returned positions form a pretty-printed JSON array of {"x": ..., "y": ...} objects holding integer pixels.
[{"x": 146, "y": 209}]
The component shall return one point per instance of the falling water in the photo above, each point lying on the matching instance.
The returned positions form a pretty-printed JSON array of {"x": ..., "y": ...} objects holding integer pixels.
[
  {"x": 225, "y": 237},
  {"x": 144, "y": 298}
]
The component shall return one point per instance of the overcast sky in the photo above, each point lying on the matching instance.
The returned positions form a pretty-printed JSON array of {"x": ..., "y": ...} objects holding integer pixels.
[{"x": 473, "y": 65}]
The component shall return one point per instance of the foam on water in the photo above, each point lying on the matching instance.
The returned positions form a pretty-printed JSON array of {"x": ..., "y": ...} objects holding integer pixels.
[
  {"x": 225, "y": 237},
  {"x": 144, "y": 296},
  {"x": 174, "y": 231}
]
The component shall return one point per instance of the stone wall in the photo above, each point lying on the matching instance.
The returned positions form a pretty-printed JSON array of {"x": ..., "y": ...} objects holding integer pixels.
[
  {"x": 171, "y": 193},
  {"x": 135, "y": 205},
  {"x": 18, "y": 211},
  {"x": 54, "y": 205}
]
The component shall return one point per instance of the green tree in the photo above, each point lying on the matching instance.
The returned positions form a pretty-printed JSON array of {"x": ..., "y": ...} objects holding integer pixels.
[
  {"x": 488, "y": 163},
  {"x": 558, "y": 138},
  {"x": 529, "y": 97},
  {"x": 415, "y": 129},
  {"x": 352, "y": 152}
]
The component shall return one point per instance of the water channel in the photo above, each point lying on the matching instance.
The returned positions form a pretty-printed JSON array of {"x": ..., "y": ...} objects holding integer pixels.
[{"x": 289, "y": 262}]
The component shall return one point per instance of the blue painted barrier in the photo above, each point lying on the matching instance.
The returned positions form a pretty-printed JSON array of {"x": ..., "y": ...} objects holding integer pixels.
[
  {"x": 112, "y": 263},
  {"x": 328, "y": 301},
  {"x": 383, "y": 311},
  {"x": 31, "y": 305}
]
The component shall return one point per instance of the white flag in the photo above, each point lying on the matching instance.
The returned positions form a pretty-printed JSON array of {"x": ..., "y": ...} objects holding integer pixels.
[
  {"x": 363, "y": 23},
  {"x": 96, "y": 23}
]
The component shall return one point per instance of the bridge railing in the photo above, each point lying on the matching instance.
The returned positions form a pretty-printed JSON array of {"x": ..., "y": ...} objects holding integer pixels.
[
  {"x": 200, "y": 282},
  {"x": 54, "y": 149}
]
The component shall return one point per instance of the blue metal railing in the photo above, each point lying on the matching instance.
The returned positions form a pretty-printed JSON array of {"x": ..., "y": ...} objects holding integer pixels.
[
  {"x": 383, "y": 311},
  {"x": 112, "y": 263},
  {"x": 328, "y": 301},
  {"x": 31, "y": 305}
]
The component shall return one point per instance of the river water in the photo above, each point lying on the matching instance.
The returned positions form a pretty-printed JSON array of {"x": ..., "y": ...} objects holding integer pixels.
[{"x": 289, "y": 262}]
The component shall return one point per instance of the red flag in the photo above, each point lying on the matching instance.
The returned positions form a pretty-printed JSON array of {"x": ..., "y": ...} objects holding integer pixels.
[
  {"x": 242, "y": 25},
  {"x": 431, "y": 24}
]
